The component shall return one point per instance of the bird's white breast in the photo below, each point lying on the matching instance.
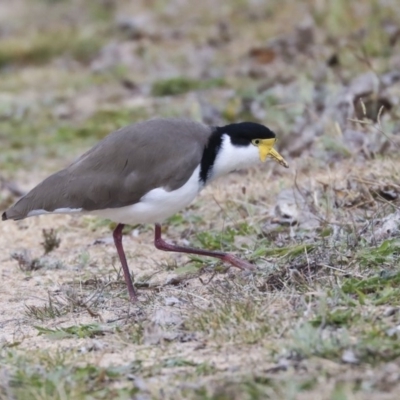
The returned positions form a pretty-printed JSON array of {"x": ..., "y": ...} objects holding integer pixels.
[{"x": 156, "y": 205}]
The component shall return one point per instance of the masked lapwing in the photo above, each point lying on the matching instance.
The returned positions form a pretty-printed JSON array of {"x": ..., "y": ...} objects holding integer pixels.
[{"x": 145, "y": 173}]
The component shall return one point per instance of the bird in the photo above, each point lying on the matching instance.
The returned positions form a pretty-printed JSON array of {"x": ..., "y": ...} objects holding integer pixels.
[{"x": 146, "y": 172}]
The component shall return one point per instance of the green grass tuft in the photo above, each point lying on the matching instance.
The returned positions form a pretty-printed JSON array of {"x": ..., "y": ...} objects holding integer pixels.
[
  {"x": 78, "y": 331},
  {"x": 180, "y": 85},
  {"x": 41, "y": 49}
]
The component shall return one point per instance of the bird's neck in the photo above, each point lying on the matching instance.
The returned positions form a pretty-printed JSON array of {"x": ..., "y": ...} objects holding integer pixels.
[{"x": 221, "y": 157}]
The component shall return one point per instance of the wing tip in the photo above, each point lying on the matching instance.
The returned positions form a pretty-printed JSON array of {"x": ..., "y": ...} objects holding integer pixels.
[{"x": 6, "y": 216}]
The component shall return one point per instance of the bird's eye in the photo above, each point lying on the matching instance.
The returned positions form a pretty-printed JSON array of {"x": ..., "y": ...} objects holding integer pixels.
[{"x": 256, "y": 142}]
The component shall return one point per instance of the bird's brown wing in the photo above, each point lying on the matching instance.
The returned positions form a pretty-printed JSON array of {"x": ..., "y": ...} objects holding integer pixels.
[{"x": 121, "y": 168}]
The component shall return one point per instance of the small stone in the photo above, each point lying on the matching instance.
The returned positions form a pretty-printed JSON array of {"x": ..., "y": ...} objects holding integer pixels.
[
  {"x": 390, "y": 311},
  {"x": 349, "y": 357},
  {"x": 393, "y": 331},
  {"x": 171, "y": 301}
]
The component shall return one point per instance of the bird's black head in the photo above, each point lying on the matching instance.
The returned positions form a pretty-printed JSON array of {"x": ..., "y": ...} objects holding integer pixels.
[
  {"x": 243, "y": 133},
  {"x": 245, "y": 139}
]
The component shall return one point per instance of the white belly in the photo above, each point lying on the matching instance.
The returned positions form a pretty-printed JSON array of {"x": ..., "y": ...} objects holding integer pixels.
[{"x": 156, "y": 205}]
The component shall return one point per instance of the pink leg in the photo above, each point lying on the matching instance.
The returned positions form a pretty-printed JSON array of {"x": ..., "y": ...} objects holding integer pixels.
[
  {"x": 236, "y": 262},
  {"x": 117, "y": 234}
]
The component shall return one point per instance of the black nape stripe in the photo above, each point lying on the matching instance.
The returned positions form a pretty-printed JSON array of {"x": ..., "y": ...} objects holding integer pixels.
[{"x": 210, "y": 154}]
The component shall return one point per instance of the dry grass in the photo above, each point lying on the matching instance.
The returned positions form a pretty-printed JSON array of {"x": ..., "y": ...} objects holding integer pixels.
[{"x": 317, "y": 320}]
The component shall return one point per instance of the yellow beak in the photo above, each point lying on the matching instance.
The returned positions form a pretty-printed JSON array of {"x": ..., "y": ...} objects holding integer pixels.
[{"x": 266, "y": 149}]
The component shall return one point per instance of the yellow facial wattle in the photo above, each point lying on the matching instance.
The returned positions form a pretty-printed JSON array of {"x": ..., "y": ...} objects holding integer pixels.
[{"x": 266, "y": 148}]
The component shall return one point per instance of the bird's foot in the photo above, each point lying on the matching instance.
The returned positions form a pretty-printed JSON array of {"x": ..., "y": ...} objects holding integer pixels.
[{"x": 239, "y": 263}]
